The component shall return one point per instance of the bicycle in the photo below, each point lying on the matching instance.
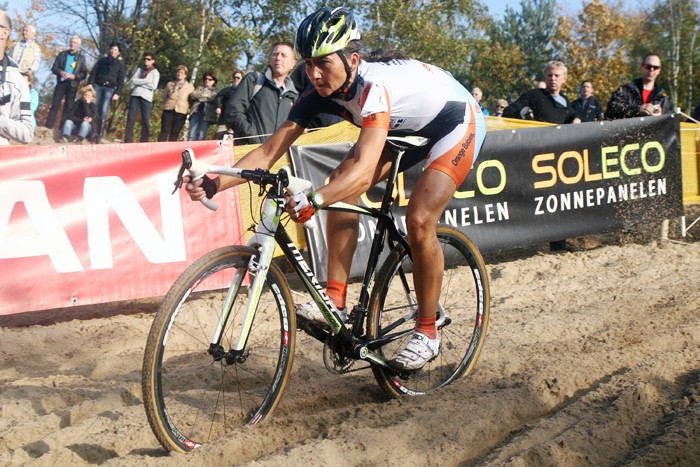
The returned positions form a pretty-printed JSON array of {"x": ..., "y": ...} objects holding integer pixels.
[{"x": 221, "y": 346}]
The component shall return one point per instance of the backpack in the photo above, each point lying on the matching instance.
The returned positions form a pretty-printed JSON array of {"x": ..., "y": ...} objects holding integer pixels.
[{"x": 259, "y": 81}]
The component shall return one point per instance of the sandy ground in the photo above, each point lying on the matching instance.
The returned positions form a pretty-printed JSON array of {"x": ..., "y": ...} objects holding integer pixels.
[{"x": 592, "y": 358}]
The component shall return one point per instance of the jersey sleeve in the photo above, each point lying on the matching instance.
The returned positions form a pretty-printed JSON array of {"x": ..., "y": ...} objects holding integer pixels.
[
  {"x": 309, "y": 104},
  {"x": 376, "y": 107}
]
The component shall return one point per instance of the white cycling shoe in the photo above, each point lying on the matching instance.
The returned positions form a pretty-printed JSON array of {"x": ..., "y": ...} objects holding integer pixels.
[
  {"x": 420, "y": 350},
  {"x": 311, "y": 312}
]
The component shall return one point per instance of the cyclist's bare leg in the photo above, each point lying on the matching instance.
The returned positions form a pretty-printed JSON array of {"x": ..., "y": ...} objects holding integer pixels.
[
  {"x": 342, "y": 228},
  {"x": 429, "y": 198}
]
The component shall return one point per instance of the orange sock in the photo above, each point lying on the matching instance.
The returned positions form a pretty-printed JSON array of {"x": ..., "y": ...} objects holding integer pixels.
[
  {"x": 337, "y": 292},
  {"x": 426, "y": 326}
]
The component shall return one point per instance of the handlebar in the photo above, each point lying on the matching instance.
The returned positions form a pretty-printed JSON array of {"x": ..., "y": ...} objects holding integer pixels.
[{"x": 198, "y": 169}]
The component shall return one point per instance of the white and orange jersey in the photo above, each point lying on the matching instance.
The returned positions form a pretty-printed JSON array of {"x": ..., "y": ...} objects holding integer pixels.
[
  {"x": 408, "y": 97},
  {"x": 403, "y": 96}
]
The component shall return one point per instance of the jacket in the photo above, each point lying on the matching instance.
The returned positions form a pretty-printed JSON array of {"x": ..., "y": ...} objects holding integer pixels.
[
  {"x": 627, "y": 99},
  {"x": 15, "y": 113},
  {"x": 261, "y": 113},
  {"x": 203, "y": 101},
  {"x": 539, "y": 105},
  {"x": 588, "y": 110},
  {"x": 176, "y": 98},
  {"x": 80, "y": 70},
  {"x": 108, "y": 71},
  {"x": 82, "y": 109},
  {"x": 27, "y": 55},
  {"x": 221, "y": 102},
  {"x": 144, "y": 83}
]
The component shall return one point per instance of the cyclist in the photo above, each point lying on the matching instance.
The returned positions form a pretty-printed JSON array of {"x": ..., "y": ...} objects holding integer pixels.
[{"x": 389, "y": 95}]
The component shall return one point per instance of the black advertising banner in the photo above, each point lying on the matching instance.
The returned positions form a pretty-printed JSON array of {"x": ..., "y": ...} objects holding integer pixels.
[{"x": 535, "y": 185}]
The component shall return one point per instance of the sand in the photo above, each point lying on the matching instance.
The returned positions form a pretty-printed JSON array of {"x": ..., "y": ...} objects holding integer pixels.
[{"x": 591, "y": 358}]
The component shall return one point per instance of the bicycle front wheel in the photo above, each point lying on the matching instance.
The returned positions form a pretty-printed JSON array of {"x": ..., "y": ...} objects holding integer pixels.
[
  {"x": 464, "y": 304},
  {"x": 193, "y": 391}
]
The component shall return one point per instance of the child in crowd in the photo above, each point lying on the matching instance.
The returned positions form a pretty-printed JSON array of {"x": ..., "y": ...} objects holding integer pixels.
[
  {"x": 83, "y": 115},
  {"x": 33, "y": 94}
]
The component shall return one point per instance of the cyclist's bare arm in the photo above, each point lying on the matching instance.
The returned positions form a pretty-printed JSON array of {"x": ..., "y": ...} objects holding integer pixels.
[
  {"x": 263, "y": 157},
  {"x": 359, "y": 176}
]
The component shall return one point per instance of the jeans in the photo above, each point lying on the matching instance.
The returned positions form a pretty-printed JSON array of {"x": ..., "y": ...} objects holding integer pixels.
[
  {"x": 84, "y": 129},
  {"x": 136, "y": 103},
  {"x": 63, "y": 89},
  {"x": 198, "y": 127},
  {"x": 103, "y": 98}
]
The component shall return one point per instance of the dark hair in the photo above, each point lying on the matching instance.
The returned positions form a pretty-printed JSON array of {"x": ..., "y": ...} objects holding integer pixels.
[
  {"x": 117, "y": 45},
  {"x": 240, "y": 72},
  {"x": 149, "y": 54},
  {"x": 382, "y": 56},
  {"x": 586, "y": 81},
  {"x": 650, "y": 54},
  {"x": 210, "y": 74}
]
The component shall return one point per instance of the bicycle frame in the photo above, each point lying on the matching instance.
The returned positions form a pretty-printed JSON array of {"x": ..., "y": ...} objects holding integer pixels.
[{"x": 269, "y": 232}]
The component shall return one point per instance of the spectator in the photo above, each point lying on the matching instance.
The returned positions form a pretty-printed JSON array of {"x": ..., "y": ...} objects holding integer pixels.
[
  {"x": 107, "y": 77},
  {"x": 642, "y": 97},
  {"x": 478, "y": 95},
  {"x": 221, "y": 101},
  {"x": 26, "y": 53},
  {"x": 262, "y": 101},
  {"x": 588, "y": 107},
  {"x": 547, "y": 105},
  {"x": 70, "y": 69},
  {"x": 33, "y": 95},
  {"x": 501, "y": 105},
  {"x": 83, "y": 117},
  {"x": 143, "y": 84},
  {"x": 696, "y": 114},
  {"x": 203, "y": 107},
  {"x": 175, "y": 105},
  {"x": 15, "y": 116}
]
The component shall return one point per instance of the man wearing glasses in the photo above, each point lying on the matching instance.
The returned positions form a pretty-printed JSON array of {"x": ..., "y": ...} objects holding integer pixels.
[
  {"x": 143, "y": 84},
  {"x": 221, "y": 102},
  {"x": 15, "y": 113},
  {"x": 642, "y": 97}
]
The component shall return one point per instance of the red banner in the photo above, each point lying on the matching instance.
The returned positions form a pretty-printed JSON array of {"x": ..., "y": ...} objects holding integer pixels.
[{"x": 98, "y": 223}]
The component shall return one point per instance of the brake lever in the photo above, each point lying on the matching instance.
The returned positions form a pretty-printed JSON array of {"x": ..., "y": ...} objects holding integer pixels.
[
  {"x": 186, "y": 164},
  {"x": 178, "y": 183}
]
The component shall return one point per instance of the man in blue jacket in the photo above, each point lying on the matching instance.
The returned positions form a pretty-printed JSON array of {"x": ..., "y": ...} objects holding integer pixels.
[{"x": 70, "y": 69}]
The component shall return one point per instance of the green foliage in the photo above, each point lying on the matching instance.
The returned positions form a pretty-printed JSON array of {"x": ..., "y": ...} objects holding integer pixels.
[
  {"x": 593, "y": 45},
  {"x": 531, "y": 29},
  {"x": 601, "y": 42},
  {"x": 439, "y": 32},
  {"x": 672, "y": 32}
]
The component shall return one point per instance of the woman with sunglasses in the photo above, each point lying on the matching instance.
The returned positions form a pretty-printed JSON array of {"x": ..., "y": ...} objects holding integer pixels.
[
  {"x": 143, "y": 84},
  {"x": 203, "y": 107}
]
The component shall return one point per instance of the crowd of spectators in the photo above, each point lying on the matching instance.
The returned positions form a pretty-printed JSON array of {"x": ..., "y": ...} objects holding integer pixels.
[{"x": 253, "y": 105}]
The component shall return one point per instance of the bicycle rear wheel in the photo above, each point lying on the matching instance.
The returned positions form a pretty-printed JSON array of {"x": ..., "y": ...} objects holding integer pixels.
[
  {"x": 194, "y": 394},
  {"x": 464, "y": 296}
]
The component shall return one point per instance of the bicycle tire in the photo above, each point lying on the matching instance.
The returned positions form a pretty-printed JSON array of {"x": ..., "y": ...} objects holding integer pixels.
[
  {"x": 191, "y": 398},
  {"x": 465, "y": 297}
]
